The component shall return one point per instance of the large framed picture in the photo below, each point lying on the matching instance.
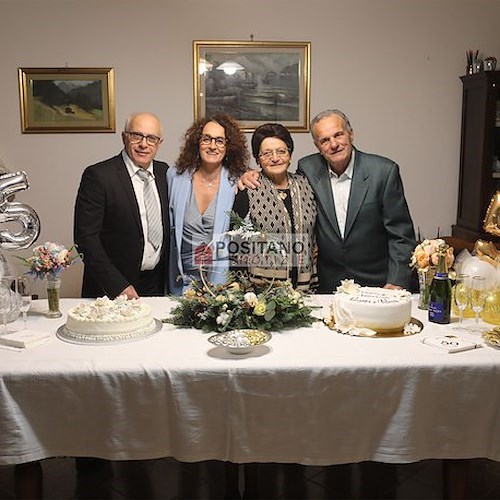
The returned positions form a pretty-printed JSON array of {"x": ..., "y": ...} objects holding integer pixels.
[
  {"x": 255, "y": 82},
  {"x": 55, "y": 100}
]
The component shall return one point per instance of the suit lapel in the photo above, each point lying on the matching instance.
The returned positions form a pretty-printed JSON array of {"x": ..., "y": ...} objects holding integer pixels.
[
  {"x": 320, "y": 182},
  {"x": 359, "y": 188},
  {"x": 128, "y": 190}
]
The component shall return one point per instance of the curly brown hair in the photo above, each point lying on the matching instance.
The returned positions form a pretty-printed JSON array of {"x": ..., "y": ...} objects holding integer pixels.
[{"x": 237, "y": 156}]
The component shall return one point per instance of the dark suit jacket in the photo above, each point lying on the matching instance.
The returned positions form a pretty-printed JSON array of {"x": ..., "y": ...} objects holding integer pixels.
[
  {"x": 379, "y": 235},
  {"x": 108, "y": 229}
]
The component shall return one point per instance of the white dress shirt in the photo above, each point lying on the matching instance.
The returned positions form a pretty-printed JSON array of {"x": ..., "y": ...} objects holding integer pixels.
[
  {"x": 341, "y": 188},
  {"x": 150, "y": 256}
]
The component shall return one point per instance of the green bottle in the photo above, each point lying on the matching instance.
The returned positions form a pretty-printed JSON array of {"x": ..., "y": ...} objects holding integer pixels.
[{"x": 440, "y": 294}]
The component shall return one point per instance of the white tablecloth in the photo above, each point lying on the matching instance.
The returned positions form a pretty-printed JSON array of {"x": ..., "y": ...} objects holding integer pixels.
[{"x": 310, "y": 396}]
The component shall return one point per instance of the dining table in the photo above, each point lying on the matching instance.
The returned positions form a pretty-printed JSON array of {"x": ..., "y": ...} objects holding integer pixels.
[{"x": 310, "y": 395}]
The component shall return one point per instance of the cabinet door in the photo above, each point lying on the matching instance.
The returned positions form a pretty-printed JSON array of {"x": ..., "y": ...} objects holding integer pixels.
[{"x": 480, "y": 150}]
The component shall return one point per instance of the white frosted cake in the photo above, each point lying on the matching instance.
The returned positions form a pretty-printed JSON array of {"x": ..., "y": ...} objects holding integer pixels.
[
  {"x": 106, "y": 320},
  {"x": 379, "y": 309}
]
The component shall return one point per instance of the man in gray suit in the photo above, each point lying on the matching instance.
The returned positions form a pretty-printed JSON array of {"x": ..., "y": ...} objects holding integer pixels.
[{"x": 364, "y": 228}]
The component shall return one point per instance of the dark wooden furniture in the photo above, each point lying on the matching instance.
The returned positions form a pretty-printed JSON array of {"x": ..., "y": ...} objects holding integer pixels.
[{"x": 479, "y": 153}]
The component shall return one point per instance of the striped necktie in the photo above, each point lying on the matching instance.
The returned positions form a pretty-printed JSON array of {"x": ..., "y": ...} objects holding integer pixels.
[{"x": 155, "y": 227}]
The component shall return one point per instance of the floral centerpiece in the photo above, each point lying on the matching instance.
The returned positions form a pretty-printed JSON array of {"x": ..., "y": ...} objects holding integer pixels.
[
  {"x": 241, "y": 304},
  {"x": 48, "y": 262},
  {"x": 424, "y": 259}
]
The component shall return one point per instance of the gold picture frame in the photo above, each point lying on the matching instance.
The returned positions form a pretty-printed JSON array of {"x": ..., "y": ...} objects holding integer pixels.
[
  {"x": 60, "y": 100},
  {"x": 255, "y": 82}
]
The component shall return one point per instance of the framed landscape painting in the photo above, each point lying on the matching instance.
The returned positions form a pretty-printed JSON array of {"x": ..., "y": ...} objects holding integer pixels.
[
  {"x": 55, "y": 100},
  {"x": 254, "y": 82}
]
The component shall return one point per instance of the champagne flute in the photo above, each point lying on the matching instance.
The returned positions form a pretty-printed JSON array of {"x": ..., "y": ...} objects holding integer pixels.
[
  {"x": 5, "y": 305},
  {"x": 23, "y": 297},
  {"x": 478, "y": 297},
  {"x": 461, "y": 297}
]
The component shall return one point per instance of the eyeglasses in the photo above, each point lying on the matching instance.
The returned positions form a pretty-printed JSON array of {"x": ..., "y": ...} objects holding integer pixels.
[
  {"x": 207, "y": 140},
  {"x": 281, "y": 152},
  {"x": 136, "y": 137}
]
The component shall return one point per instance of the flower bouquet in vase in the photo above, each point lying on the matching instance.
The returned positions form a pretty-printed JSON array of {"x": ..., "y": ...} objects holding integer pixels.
[
  {"x": 47, "y": 263},
  {"x": 424, "y": 259}
]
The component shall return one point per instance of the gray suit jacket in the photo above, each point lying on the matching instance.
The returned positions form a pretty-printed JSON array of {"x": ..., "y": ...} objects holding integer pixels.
[{"x": 379, "y": 235}]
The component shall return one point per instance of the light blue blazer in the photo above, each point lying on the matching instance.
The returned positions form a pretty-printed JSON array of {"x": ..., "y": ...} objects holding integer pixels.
[{"x": 179, "y": 188}]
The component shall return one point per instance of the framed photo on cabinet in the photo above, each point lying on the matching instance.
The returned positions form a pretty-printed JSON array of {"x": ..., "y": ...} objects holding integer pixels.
[
  {"x": 59, "y": 100},
  {"x": 254, "y": 82}
]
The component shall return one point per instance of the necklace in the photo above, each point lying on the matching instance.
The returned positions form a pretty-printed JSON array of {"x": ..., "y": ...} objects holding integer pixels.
[
  {"x": 283, "y": 193},
  {"x": 210, "y": 182}
]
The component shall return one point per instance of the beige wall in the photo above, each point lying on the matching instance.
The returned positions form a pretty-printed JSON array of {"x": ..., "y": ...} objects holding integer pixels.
[{"x": 392, "y": 65}]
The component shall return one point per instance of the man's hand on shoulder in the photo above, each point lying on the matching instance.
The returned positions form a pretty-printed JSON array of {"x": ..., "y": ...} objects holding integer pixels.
[
  {"x": 130, "y": 293},
  {"x": 250, "y": 179}
]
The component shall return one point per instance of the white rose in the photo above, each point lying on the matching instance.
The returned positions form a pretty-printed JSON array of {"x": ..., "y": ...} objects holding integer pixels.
[{"x": 250, "y": 298}]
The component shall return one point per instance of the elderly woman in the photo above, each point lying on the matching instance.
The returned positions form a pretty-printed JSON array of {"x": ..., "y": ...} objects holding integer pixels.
[
  {"x": 201, "y": 193},
  {"x": 283, "y": 208}
]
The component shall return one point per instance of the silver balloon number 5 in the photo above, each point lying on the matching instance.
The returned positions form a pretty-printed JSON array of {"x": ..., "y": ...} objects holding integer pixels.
[{"x": 26, "y": 223}]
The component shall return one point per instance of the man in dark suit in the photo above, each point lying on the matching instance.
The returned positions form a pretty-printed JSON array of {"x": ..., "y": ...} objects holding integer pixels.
[
  {"x": 112, "y": 224},
  {"x": 364, "y": 228}
]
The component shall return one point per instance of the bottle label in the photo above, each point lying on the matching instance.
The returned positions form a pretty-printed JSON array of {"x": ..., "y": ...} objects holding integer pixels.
[
  {"x": 441, "y": 276},
  {"x": 437, "y": 312}
]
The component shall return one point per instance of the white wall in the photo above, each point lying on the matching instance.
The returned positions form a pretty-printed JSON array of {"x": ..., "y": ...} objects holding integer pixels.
[{"x": 392, "y": 65}]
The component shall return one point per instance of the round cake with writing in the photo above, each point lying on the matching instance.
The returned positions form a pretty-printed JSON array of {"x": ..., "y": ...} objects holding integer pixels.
[
  {"x": 380, "y": 309},
  {"x": 106, "y": 320}
]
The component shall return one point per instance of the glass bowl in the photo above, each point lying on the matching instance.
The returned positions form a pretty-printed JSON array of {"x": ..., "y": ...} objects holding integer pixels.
[{"x": 240, "y": 341}]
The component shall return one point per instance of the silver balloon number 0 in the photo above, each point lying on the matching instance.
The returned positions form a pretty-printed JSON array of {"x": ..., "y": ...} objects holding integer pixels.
[{"x": 25, "y": 221}]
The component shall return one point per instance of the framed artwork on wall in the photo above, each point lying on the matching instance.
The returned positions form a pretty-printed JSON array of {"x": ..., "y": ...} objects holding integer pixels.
[
  {"x": 58, "y": 100},
  {"x": 254, "y": 82}
]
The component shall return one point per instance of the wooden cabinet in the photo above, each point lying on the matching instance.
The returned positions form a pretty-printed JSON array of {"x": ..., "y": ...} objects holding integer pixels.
[{"x": 479, "y": 153}]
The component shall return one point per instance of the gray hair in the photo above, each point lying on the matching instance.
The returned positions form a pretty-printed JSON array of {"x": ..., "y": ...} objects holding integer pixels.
[
  {"x": 330, "y": 112},
  {"x": 135, "y": 115}
]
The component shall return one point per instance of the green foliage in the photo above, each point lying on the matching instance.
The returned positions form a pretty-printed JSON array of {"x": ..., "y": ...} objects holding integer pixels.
[{"x": 241, "y": 304}]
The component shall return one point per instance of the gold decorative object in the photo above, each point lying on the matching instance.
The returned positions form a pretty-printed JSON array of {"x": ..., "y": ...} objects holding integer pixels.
[
  {"x": 492, "y": 337},
  {"x": 491, "y": 311},
  {"x": 487, "y": 251},
  {"x": 491, "y": 223}
]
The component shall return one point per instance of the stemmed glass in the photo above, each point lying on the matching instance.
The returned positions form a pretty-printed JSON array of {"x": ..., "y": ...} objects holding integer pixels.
[
  {"x": 23, "y": 289},
  {"x": 461, "y": 297},
  {"x": 478, "y": 295},
  {"x": 5, "y": 304}
]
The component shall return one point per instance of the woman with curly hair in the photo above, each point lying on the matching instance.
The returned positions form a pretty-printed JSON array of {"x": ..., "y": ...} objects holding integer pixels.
[{"x": 201, "y": 192}]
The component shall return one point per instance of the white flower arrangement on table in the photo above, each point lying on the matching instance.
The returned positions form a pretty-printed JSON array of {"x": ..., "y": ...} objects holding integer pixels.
[
  {"x": 241, "y": 304},
  {"x": 50, "y": 259},
  {"x": 426, "y": 254}
]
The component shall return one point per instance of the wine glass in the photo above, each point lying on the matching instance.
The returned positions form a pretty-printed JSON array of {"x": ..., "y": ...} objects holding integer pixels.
[
  {"x": 461, "y": 297},
  {"x": 23, "y": 289},
  {"x": 478, "y": 295},
  {"x": 5, "y": 304}
]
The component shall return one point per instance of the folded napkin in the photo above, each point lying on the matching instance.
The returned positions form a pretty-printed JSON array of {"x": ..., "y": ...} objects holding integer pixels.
[{"x": 24, "y": 338}]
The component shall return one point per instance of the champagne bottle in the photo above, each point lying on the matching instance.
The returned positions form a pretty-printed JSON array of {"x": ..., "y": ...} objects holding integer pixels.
[{"x": 440, "y": 294}]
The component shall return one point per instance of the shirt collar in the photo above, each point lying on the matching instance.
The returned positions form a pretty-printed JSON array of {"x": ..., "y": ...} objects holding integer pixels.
[
  {"x": 132, "y": 168},
  {"x": 347, "y": 173}
]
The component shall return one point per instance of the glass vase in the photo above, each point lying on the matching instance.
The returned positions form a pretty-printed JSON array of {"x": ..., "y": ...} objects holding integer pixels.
[
  {"x": 53, "y": 295},
  {"x": 424, "y": 287}
]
